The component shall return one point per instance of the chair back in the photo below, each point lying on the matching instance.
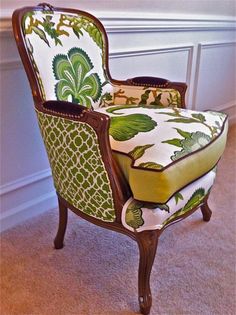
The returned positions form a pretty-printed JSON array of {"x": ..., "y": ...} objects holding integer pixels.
[{"x": 66, "y": 53}]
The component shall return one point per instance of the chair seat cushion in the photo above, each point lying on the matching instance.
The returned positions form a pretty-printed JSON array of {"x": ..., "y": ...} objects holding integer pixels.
[
  {"x": 140, "y": 216},
  {"x": 161, "y": 150}
]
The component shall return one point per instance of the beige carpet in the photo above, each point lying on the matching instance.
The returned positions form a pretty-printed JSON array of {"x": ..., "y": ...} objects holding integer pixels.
[{"x": 96, "y": 272}]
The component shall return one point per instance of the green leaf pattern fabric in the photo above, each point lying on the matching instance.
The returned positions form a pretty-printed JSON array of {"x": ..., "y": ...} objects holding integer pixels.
[
  {"x": 126, "y": 127},
  {"x": 68, "y": 51},
  {"x": 152, "y": 140},
  {"x": 78, "y": 171},
  {"x": 76, "y": 82},
  {"x": 162, "y": 154},
  {"x": 52, "y": 36},
  {"x": 140, "y": 216},
  {"x": 47, "y": 26},
  {"x": 137, "y": 95}
]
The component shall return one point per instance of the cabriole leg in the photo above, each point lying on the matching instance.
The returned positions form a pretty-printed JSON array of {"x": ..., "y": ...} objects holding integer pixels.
[
  {"x": 206, "y": 211},
  {"x": 63, "y": 215},
  {"x": 147, "y": 242}
]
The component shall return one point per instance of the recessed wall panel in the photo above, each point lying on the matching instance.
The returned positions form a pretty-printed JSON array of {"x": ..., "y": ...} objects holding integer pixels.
[
  {"x": 215, "y": 86},
  {"x": 171, "y": 64}
]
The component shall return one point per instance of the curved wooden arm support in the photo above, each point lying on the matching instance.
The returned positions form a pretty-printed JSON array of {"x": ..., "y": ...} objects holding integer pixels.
[{"x": 100, "y": 123}]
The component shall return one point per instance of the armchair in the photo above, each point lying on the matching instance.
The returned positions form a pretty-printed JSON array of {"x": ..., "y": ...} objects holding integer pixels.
[{"x": 125, "y": 155}]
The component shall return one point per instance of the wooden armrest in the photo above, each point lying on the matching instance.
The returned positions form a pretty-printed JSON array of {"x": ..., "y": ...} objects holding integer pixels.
[{"x": 148, "y": 81}]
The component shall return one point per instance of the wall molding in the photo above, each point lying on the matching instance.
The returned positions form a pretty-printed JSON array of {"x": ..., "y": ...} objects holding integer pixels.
[
  {"x": 20, "y": 203},
  {"x": 10, "y": 64},
  {"x": 149, "y": 51},
  {"x": 5, "y": 27},
  {"x": 132, "y": 23},
  {"x": 160, "y": 50},
  {"x": 25, "y": 181},
  {"x": 205, "y": 45},
  {"x": 201, "y": 47},
  {"x": 27, "y": 210}
]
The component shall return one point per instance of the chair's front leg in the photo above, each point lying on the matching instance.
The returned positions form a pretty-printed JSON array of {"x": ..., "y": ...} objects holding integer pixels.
[
  {"x": 147, "y": 242},
  {"x": 63, "y": 215},
  {"x": 206, "y": 211}
]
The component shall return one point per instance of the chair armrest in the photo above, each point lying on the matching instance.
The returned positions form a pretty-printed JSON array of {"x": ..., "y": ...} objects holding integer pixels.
[
  {"x": 164, "y": 91},
  {"x": 100, "y": 124},
  {"x": 148, "y": 81}
]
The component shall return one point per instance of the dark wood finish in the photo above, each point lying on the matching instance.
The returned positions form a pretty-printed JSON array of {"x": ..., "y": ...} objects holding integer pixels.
[
  {"x": 63, "y": 216},
  {"x": 206, "y": 211},
  {"x": 148, "y": 81},
  {"x": 147, "y": 240}
]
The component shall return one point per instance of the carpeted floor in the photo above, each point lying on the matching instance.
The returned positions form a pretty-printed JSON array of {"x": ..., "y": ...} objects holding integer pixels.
[{"x": 96, "y": 272}]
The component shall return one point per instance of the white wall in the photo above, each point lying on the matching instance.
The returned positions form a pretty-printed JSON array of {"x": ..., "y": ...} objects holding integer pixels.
[{"x": 192, "y": 43}]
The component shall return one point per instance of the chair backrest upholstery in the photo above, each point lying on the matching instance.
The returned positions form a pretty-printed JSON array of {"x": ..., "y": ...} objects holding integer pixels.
[{"x": 68, "y": 52}]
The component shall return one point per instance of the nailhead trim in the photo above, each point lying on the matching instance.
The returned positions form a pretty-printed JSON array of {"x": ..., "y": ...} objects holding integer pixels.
[
  {"x": 64, "y": 114},
  {"x": 149, "y": 85}
]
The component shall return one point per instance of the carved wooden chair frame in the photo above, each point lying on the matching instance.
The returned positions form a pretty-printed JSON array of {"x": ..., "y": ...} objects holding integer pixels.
[{"x": 147, "y": 241}]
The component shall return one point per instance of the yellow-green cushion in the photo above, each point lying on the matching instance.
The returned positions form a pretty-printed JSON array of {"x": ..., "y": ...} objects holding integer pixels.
[
  {"x": 161, "y": 150},
  {"x": 140, "y": 216}
]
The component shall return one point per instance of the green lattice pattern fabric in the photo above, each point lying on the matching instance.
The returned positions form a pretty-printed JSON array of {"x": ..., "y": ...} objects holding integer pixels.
[{"x": 78, "y": 171}]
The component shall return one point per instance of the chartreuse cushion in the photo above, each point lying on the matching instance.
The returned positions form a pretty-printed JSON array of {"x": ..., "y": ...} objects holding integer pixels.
[
  {"x": 140, "y": 216},
  {"x": 161, "y": 150}
]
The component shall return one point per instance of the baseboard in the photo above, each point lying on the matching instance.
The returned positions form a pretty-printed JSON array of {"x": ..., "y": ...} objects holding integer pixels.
[
  {"x": 26, "y": 197},
  {"x": 27, "y": 210}
]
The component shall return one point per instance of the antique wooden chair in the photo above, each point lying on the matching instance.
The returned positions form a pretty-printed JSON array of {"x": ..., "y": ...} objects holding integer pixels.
[{"x": 125, "y": 155}]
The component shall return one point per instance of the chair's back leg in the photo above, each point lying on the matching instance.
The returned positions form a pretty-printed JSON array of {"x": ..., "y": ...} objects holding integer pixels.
[
  {"x": 206, "y": 211},
  {"x": 147, "y": 242},
  {"x": 63, "y": 215}
]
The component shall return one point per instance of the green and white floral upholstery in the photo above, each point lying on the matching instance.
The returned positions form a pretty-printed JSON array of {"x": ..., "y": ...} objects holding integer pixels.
[
  {"x": 137, "y": 95},
  {"x": 75, "y": 67},
  {"x": 161, "y": 150},
  {"x": 74, "y": 46}
]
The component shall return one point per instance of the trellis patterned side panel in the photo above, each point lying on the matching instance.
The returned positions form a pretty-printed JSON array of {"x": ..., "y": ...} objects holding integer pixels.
[{"x": 78, "y": 171}]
